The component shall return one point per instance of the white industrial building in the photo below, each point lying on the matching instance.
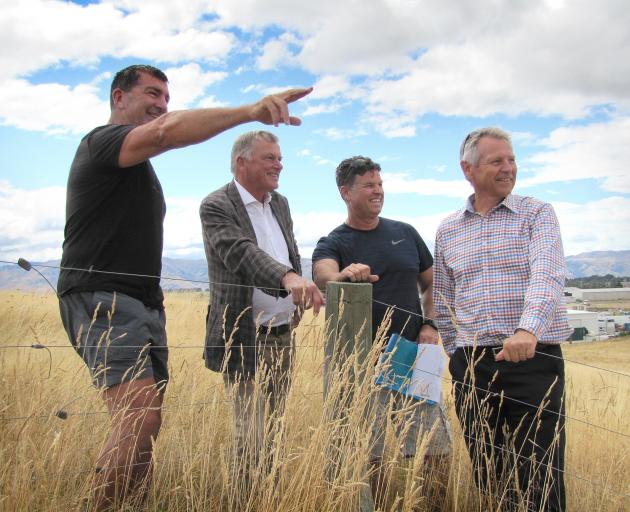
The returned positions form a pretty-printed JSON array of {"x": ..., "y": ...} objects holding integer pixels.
[
  {"x": 597, "y": 294},
  {"x": 587, "y": 319}
]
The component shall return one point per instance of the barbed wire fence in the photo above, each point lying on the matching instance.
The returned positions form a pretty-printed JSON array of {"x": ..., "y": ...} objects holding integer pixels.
[{"x": 63, "y": 414}]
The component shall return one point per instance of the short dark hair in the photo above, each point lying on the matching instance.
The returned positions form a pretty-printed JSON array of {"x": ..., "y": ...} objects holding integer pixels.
[
  {"x": 126, "y": 78},
  {"x": 352, "y": 167}
]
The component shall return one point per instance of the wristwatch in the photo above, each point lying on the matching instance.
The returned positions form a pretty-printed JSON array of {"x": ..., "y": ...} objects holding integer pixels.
[{"x": 429, "y": 322}]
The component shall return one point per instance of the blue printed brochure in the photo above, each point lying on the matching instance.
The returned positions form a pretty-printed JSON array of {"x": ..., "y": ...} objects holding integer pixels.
[{"x": 413, "y": 369}]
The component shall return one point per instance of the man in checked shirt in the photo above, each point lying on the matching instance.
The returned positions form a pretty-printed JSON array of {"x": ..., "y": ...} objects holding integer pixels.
[{"x": 498, "y": 286}]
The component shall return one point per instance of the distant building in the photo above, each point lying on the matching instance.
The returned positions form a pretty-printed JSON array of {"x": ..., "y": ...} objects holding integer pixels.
[
  {"x": 584, "y": 323},
  {"x": 606, "y": 325},
  {"x": 598, "y": 294}
]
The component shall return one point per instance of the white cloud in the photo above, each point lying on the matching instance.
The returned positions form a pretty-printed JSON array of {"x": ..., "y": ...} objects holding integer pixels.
[
  {"x": 341, "y": 134},
  {"x": 56, "y": 108},
  {"x": 523, "y": 138},
  {"x": 318, "y": 159},
  {"x": 253, "y": 88},
  {"x": 182, "y": 228},
  {"x": 211, "y": 102},
  {"x": 187, "y": 45},
  {"x": 277, "y": 52},
  {"x": 602, "y": 225},
  {"x": 52, "y": 108},
  {"x": 455, "y": 58},
  {"x": 36, "y": 34},
  {"x": 32, "y": 222},
  {"x": 309, "y": 227},
  {"x": 331, "y": 86},
  {"x": 532, "y": 68},
  {"x": 187, "y": 83},
  {"x": 393, "y": 125},
  {"x": 596, "y": 151},
  {"x": 322, "y": 108},
  {"x": 436, "y": 56}
]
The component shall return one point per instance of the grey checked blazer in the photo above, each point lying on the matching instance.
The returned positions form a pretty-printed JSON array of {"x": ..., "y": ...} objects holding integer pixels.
[{"x": 234, "y": 259}]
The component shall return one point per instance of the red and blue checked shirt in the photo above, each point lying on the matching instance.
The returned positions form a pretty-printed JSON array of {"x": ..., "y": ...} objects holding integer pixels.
[{"x": 497, "y": 273}]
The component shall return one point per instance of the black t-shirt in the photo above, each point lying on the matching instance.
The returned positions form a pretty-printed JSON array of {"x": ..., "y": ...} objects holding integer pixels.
[
  {"x": 114, "y": 221},
  {"x": 397, "y": 254}
]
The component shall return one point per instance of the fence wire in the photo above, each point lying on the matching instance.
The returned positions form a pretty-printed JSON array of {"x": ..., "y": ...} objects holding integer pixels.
[
  {"x": 26, "y": 265},
  {"x": 445, "y": 379}
]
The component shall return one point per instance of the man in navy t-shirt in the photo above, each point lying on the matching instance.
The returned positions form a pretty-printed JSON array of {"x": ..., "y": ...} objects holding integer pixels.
[{"x": 393, "y": 257}]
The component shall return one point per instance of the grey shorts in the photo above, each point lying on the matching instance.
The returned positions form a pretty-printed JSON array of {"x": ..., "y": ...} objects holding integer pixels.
[
  {"x": 119, "y": 338},
  {"x": 412, "y": 420}
]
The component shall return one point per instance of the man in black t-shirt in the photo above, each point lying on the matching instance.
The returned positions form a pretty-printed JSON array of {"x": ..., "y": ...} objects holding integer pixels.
[
  {"x": 111, "y": 303},
  {"x": 393, "y": 257}
]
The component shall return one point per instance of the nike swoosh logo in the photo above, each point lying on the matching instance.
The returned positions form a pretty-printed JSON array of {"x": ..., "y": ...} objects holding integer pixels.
[{"x": 397, "y": 241}]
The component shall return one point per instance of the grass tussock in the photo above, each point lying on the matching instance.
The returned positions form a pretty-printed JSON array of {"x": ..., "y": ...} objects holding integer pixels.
[{"x": 53, "y": 423}]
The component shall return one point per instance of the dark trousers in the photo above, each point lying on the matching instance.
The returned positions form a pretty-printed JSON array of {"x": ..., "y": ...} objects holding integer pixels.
[{"x": 512, "y": 415}]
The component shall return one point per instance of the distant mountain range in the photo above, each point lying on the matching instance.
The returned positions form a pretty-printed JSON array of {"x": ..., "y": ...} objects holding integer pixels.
[
  {"x": 180, "y": 274},
  {"x": 599, "y": 263}
]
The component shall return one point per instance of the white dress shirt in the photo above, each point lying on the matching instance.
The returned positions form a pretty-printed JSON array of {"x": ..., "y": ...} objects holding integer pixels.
[{"x": 268, "y": 310}]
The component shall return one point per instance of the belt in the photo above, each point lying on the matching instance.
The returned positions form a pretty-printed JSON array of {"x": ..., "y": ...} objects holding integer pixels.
[
  {"x": 493, "y": 350},
  {"x": 276, "y": 330}
]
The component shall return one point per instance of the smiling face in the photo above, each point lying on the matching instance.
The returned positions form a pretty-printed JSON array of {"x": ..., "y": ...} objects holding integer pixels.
[
  {"x": 364, "y": 198},
  {"x": 260, "y": 173},
  {"x": 494, "y": 176},
  {"x": 144, "y": 102}
]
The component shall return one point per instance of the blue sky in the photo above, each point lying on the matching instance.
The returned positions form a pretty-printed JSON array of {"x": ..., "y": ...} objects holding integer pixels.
[{"x": 400, "y": 81}]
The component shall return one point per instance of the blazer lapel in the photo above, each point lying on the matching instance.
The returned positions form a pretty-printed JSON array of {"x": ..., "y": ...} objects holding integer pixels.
[{"x": 241, "y": 212}]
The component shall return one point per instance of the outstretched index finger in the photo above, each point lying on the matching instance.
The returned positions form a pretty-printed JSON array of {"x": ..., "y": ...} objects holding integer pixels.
[{"x": 291, "y": 95}]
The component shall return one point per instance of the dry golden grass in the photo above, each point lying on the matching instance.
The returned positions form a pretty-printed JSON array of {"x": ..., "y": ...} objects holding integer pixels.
[{"x": 46, "y": 462}]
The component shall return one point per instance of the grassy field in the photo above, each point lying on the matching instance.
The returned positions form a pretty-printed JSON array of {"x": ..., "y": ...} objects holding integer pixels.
[{"x": 52, "y": 423}]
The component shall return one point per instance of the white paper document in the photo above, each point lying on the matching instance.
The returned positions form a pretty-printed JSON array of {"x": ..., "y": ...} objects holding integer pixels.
[{"x": 426, "y": 379}]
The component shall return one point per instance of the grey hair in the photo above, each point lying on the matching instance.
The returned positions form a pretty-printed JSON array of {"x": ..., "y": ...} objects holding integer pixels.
[
  {"x": 468, "y": 152},
  {"x": 244, "y": 145}
]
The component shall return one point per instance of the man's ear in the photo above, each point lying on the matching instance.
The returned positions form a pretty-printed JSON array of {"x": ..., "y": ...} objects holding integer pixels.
[
  {"x": 465, "y": 168},
  {"x": 116, "y": 95},
  {"x": 344, "y": 191},
  {"x": 239, "y": 161}
]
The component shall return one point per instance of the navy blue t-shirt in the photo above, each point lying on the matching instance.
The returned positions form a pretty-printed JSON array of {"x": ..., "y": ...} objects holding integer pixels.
[{"x": 397, "y": 254}]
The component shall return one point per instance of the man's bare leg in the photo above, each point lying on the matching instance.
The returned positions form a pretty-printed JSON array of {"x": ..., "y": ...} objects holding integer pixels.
[{"x": 125, "y": 462}]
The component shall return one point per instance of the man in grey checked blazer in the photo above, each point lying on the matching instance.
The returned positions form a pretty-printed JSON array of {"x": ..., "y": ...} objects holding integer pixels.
[{"x": 255, "y": 285}]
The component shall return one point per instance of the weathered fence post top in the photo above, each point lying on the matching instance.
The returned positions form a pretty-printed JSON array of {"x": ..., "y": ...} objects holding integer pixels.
[{"x": 348, "y": 324}]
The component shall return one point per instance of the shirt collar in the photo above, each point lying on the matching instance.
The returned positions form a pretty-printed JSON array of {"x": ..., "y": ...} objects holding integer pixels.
[
  {"x": 248, "y": 198},
  {"x": 509, "y": 202}
]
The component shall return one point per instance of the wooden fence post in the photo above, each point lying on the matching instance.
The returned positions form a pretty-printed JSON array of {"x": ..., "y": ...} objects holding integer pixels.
[
  {"x": 348, "y": 325},
  {"x": 348, "y": 332}
]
